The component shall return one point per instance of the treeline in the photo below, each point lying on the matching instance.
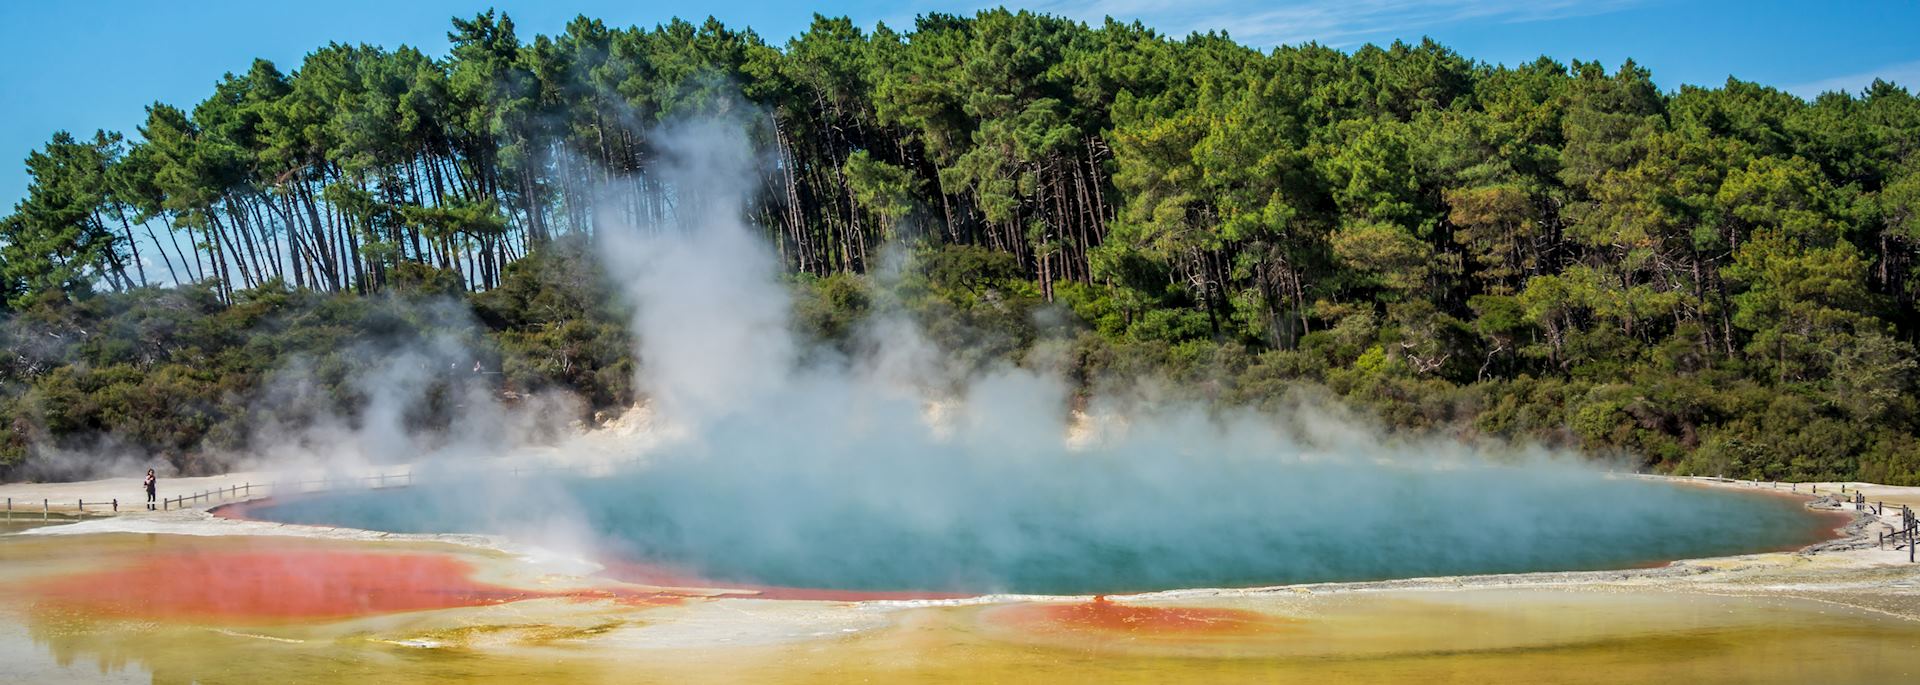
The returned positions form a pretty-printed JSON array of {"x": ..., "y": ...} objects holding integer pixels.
[
  {"x": 182, "y": 378},
  {"x": 1719, "y": 280}
]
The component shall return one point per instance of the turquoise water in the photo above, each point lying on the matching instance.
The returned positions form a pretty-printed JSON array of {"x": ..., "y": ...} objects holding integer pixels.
[{"x": 1086, "y": 530}]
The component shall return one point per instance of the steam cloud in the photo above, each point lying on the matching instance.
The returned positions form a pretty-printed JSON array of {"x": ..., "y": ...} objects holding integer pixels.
[
  {"x": 293, "y": 427},
  {"x": 877, "y": 471}
]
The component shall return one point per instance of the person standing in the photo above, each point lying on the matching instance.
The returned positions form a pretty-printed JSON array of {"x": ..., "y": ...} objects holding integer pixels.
[{"x": 152, "y": 487}]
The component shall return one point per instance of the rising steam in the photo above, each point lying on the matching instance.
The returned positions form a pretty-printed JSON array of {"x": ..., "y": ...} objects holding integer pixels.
[{"x": 876, "y": 471}]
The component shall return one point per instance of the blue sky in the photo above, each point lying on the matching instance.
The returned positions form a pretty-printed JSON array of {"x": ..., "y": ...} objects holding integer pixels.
[{"x": 86, "y": 64}]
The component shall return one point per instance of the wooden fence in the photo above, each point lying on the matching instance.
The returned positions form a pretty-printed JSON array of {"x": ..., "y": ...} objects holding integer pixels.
[
  {"x": 1906, "y": 535},
  {"x": 245, "y": 491}
]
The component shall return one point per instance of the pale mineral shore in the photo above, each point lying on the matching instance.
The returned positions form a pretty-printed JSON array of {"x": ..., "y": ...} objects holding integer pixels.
[
  {"x": 607, "y": 446},
  {"x": 1852, "y": 569}
]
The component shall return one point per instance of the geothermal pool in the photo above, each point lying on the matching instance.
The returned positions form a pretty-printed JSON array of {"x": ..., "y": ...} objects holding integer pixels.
[{"x": 680, "y": 525}]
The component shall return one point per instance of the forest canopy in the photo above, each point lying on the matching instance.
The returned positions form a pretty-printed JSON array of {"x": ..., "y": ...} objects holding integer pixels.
[{"x": 1718, "y": 281}]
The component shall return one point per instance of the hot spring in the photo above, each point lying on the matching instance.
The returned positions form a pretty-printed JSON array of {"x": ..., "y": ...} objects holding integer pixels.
[
  {"x": 1086, "y": 528},
  {"x": 891, "y": 463}
]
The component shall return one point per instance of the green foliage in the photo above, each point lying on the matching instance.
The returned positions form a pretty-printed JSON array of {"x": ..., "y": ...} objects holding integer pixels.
[
  {"x": 885, "y": 190},
  {"x": 831, "y": 308},
  {"x": 1710, "y": 280},
  {"x": 181, "y": 374},
  {"x": 54, "y": 242}
]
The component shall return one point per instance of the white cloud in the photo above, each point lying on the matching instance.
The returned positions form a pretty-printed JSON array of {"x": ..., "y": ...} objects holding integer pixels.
[
  {"x": 1905, "y": 74},
  {"x": 1331, "y": 22}
]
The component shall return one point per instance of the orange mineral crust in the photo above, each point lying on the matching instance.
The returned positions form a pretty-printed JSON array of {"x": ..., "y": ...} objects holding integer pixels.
[
  {"x": 1103, "y": 616},
  {"x": 288, "y": 585}
]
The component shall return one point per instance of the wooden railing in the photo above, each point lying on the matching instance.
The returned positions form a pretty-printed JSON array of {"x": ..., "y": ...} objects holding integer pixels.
[
  {"x": 249, "y": 490},
  {"x": 46, "y": 510},
  {"x": 1905, "y": 535},
  {"x": 245, "y": 491},
  {"x": 80, "y": 506}
]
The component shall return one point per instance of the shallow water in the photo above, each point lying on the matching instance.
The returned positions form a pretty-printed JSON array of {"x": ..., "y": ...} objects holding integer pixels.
[
  {"x": 1563, "y": 635},
  {"x": 1420, "y": 524},
  {"x": 15, "y": 521}
]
